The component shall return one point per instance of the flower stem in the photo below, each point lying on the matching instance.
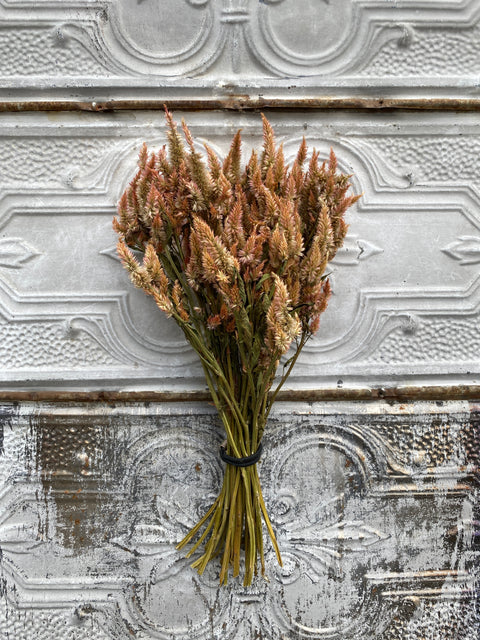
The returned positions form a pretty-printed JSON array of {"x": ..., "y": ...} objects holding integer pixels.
[{"x": 237, "y": 515}]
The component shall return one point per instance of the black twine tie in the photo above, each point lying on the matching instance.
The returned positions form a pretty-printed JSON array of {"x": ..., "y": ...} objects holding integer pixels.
[{"x": 241, "y": 462}]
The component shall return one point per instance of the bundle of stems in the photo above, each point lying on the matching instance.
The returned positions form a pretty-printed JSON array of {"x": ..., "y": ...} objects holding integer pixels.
[{"x": 237, "y": 258}]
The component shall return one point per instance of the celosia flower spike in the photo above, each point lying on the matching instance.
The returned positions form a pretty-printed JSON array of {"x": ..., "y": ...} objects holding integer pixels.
[
  {"x": 283, "y": 324},
  {"x": 268, "y": 154},
  {"x": 201, "y": 180},
  {"x": 138, "y": 274},
  {"x": 231, "y": 165},
  {"x": 175, "y": 145},
  {"x": 213, "y": 163},
  {"x": 143, "y": 156},
  {"x": 302, "y": 153},
  {"x": 332, "y": 163}
]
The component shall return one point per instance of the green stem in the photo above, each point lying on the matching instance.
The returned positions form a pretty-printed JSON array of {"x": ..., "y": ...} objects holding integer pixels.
[{"x": 284, "y": 377}]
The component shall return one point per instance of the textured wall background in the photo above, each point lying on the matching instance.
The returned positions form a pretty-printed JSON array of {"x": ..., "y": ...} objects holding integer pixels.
[
  {"x": 375, "y": 509},
  {"x": 375, "y": 504},
  {"x": 406, "y": 284},
  {"x": 212, "y": 47}
]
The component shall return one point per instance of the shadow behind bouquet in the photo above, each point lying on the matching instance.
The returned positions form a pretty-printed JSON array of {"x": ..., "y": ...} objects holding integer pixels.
[{"x": 237, "y": 258}]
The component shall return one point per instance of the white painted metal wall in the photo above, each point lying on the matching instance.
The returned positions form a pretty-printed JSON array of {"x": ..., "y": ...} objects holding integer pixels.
[{"x": 375, "y": 503}]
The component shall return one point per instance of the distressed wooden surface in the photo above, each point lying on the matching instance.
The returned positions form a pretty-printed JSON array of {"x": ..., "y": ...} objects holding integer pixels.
[{"x": 375, "y": 508}]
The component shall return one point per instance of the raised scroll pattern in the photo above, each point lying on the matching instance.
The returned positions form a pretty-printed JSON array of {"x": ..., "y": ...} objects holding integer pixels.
[
  {"x": 378, "y": 315},
  {"x": 228, "y": 39}
]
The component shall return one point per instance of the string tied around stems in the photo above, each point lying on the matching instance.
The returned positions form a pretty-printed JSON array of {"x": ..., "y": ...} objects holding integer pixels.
[{"x": 247, "y": 461}]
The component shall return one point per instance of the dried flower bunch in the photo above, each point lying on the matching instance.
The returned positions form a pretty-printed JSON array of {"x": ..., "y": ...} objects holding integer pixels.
[{"x": 237, "y": 258}]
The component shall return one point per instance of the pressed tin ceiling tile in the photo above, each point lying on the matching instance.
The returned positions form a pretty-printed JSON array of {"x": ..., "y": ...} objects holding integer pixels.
[
  {"x": 406, "y": 289},
  {"x": 374, "y": 507},
  {"x": 134, "y": 48}
]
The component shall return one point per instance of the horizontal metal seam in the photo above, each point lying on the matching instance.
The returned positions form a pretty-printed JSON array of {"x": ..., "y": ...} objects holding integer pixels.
[
  {"x": 247, "y": 103},
  {"x": 394, "y": 394}
]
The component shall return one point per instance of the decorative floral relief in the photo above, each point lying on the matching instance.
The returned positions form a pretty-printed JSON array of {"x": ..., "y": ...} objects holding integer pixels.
[
  {"x": 436, "y": 51},
  {"x": 466, "y": 250},
  {"x": 354, "y": 250},
  {"x": 347, "y": 539},
  {"x": 325, "y": 31},
  {"x": 321, "y": 550},
  {"x": 431, "y": 158},
  {"x": 316, "y": 538},
  {"x": 15, "y": 252},
  {"x": 18, "y": 540}
]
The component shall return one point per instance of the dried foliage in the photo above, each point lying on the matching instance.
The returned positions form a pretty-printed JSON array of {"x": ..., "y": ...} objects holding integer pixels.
[{"x": 237, "y": 258}]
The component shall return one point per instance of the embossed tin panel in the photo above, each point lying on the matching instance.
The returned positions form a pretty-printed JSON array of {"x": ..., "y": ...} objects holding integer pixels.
[
  {"x": 406, "y": 288},
  {"x": 375, "y": 504},
  {"x": 375, "y": 509},
  {"x": 133, "y": 48}
]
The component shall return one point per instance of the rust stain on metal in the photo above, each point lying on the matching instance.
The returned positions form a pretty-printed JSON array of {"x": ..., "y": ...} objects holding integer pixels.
[
  {"x": 247, "y": 103},
  {"x": 361, "y": 394},
  {"x": 82, "y": 513}
]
